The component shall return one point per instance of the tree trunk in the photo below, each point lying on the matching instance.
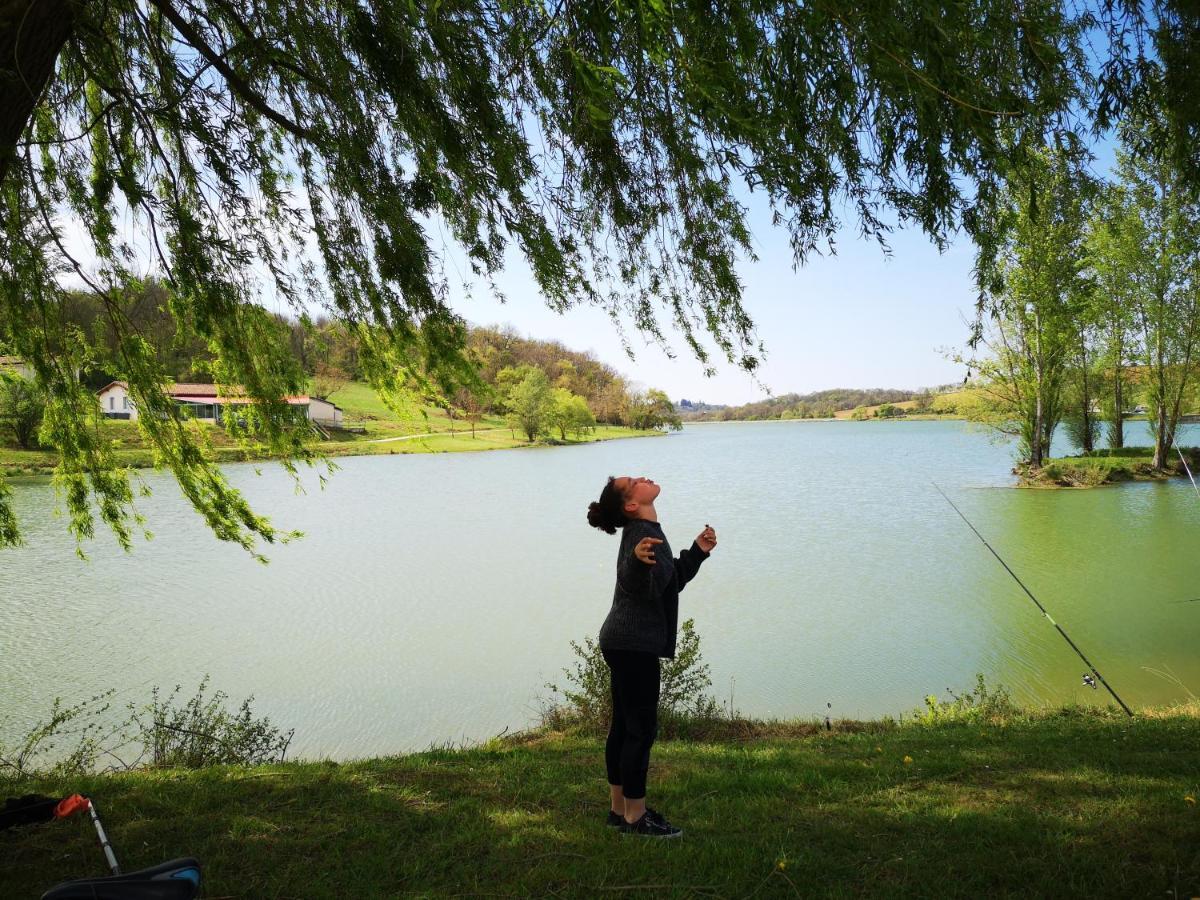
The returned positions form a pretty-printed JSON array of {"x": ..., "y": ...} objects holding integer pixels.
[
  {"x": 1160, "y": 437},
  {"x": 32, "y": 33},
  {"x": 1048, "y": 426},
  {"x": 1160, "y": 432},
  {"x": 1160, "y": 370},
  {"x": 1086, "y": 405},
  {"x": 1035, "y": 452},
  {"x": 1117, "y": 437}
]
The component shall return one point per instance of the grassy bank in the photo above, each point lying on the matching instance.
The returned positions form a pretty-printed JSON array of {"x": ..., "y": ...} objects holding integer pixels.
[
  {"x": 1070, "y": 802},
  {"x": 383, "y": 432},
  {"x": 1108, "y": 467}
]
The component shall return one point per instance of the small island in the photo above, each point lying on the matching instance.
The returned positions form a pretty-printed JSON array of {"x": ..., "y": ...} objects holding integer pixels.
[{"x": 1107, "y": 466}]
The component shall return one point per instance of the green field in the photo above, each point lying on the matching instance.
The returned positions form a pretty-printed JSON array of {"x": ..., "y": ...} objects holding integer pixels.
[
  {"x": 952, "y": 405},
  {"x": 460, "y": 441},
  {"x": 1059, "y": 803}
]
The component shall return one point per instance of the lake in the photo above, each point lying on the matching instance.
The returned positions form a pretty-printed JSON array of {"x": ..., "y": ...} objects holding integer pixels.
[{"x": 433, "y": 596}]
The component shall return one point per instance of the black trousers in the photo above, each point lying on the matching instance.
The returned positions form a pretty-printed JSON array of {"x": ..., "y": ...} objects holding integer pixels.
[{"x": 635, "y": 689}]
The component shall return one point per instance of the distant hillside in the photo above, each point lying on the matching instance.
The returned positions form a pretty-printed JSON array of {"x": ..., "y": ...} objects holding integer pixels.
[
  {"x": 817, "y": 405},
  {"x": 698, "y": 406},
  {"x": 326, "y": 354}
]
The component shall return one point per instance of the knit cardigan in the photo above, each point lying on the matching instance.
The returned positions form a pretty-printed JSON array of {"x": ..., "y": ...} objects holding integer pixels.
[{"x": 645, "y": 609}]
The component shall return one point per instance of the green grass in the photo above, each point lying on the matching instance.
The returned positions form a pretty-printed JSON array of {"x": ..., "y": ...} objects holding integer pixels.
[
  {"x": 359, "y": 401},
  {"x": 487, "y": 437},
  {"x": 942, "y": 406},
  {"x": 131, "y": 449},
  {"x": 1063, "y": 803},
  {"x": 15, "y": 462},
  {"x": 361, "y": 406}
]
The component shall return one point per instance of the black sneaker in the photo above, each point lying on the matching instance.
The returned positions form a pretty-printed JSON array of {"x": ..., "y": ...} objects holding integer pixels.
[
  {"x": 651, "y": 824},
  {"x": 615, "y": 820}
]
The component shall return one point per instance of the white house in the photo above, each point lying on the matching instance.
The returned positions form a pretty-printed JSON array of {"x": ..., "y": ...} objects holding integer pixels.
[
  {"x": 16, "y": 366},
  {"x": 115, "y": 402},
  {"x": 203, "y": 402},
  {"x": 323, "y": 412}
]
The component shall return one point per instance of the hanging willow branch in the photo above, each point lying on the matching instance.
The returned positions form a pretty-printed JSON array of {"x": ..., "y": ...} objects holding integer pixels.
[{"x": 303, "y": 153}]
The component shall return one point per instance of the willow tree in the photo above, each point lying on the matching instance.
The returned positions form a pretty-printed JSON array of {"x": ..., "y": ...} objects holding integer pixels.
[{"x": 309, "y": 155}]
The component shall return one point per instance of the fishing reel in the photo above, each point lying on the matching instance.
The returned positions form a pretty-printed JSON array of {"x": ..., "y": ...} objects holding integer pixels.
[{"x": 1090, "y": 681}]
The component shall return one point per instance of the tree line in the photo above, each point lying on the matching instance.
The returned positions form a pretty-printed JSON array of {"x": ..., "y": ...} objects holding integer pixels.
[
  {"x": 1091, "y": 304},
  {"x": 817, "y": 405},
  {"x": 541, "y": 387}
]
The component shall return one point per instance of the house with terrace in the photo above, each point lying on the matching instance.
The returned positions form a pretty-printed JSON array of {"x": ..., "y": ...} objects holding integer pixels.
[{"x": 206, "y": 403}]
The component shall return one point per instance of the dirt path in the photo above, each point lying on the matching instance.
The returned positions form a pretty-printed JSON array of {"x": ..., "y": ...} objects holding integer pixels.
[{"x": 413, "y": 437}]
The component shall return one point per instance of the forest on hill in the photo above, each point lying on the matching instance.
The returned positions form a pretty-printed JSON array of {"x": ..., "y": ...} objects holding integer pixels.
[
  {"x": 326, "y": 354},
  {"x": 817, "y": 405}
]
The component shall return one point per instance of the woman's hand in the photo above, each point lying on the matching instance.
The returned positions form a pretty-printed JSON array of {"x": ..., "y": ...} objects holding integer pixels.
[
  {"x": 645, "y": 550},
  {"x": 707, "y": 539}
]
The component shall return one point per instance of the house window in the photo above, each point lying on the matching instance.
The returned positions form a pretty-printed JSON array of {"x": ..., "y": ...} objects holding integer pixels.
[
  {"x": 112, "y": 402},
  {"x": 124, "y": 403}
]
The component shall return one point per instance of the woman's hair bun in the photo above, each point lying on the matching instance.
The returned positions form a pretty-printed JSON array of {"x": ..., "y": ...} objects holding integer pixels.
[
  {"x": 597, "y": 518},
  {"x": 608, "y": 513}
]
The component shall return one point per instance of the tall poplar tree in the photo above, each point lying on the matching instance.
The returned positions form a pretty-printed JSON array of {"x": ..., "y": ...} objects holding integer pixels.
[
  {"x": 1158, "y": 245},
  {"x": 1037, "y": 292},
  {"x": 1115, "y": 242}
]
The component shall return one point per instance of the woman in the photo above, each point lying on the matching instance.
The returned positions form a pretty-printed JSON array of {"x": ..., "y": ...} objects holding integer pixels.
[{"x": 640, "y": 629}]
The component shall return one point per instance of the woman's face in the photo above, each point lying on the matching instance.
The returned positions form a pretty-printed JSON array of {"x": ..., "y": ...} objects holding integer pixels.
[{"x": 638, "y": 491}]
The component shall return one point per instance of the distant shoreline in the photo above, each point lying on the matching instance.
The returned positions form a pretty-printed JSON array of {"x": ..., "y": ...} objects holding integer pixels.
[
  {"x": 916, "y": 418},
  {"x": 40, "y": 464}
]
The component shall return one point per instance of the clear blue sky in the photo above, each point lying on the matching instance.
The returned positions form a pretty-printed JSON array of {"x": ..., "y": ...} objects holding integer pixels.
[{"x": 857, "y": 319}]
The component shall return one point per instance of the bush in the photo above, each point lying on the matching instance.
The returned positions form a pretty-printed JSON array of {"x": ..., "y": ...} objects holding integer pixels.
[
  {"x": 683, "y": 701},
  {"x": 22, "y": 408},
  {"x": 588, "y": 694},
  {"x": 1074, "y": 474},
  {"x": 70, "y": 741},
  {"x": 202, "y": 732},
  {"x": 979, "y": 705}
]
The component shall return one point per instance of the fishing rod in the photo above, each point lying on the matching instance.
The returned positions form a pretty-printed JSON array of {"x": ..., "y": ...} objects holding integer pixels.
[
  {"x": 1183, "y": 460},
  {"x": 1049, "y": 618}
]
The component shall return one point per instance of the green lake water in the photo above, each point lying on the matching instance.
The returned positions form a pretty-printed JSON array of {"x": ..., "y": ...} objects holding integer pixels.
[{"x": 434, "y": 595}]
